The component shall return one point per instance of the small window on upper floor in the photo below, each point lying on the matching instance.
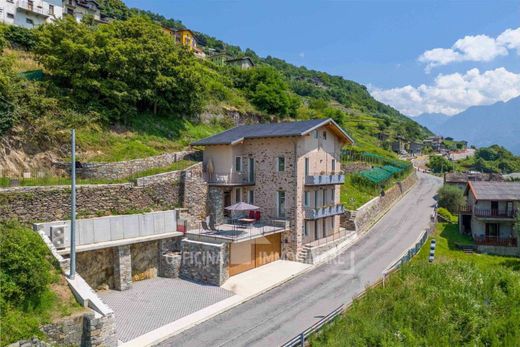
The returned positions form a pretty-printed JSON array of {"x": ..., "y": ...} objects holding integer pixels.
[
  {"x": 324, "y": 135},
  {"x": 10, "y": 15},
  {"x": 51, "y": 10},
  {"x": 10, "y": 1},
  {"x": 280, "y": 164},
  {"x": 238, "y": 164}
]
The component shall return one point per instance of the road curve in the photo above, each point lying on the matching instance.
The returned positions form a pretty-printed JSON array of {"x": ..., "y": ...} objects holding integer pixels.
[{"x": 280, "y": 314}]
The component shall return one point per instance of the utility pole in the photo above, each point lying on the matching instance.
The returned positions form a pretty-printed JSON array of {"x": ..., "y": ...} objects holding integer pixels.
[{"x": 73, "y": 207}]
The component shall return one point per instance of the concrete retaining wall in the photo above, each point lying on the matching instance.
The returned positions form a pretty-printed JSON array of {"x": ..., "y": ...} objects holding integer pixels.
[
  {"x": 123, "y": 169},
  {"x": 366, "y": 215}
]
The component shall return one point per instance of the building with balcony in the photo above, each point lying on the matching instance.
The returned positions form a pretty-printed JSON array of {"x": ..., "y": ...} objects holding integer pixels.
[
  {"x": 491, "y": 212},
  {"x": 81, "y": 8},
  {"x": 30, "y": 13},
  {"x": 291, "y": 171}
]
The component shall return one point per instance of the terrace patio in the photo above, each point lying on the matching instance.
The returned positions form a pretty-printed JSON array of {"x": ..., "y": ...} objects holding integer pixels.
[{"x": 229, "y": 232}]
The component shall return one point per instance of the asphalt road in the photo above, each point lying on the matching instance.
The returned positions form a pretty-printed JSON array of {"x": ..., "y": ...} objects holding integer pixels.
[{"x": 278, "y": 315}]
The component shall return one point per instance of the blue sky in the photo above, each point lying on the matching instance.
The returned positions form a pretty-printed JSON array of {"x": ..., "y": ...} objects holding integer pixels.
[{"x": 376, "y": 43}]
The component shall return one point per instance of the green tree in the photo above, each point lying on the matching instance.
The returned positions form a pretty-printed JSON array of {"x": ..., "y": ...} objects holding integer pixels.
[
  {"x": 450, "y": 198},
  {"x": 439, "y": 164},
  {"x": 124, "y": 67}
]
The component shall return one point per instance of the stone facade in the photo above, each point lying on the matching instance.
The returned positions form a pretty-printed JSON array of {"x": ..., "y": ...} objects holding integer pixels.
[
  {"x": 46, "y": 203},
  {"x": 355, "y": 167},
  {"x": 499, "y": 250},
  {"x": 365, "y": 216},
  {"x": 123, "y": 169},
  {"x": 85, "y": 329},
  {"x": 195, "y": 194},
  {"x": 145, "y": 260},
  {"x": 204, "y": 262},
  {"x": 97, "y": 267},
  {"x": 122, "y": 267},
  {"x": 170, "y": 265}
]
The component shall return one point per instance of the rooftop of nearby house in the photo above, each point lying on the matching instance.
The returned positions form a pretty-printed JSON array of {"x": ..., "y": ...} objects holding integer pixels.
[
  {"x": 504, "y": 191},
  {"x": 240, "y": 60},
  {"x": 464, "y": 177},
  {"x": 301, "y": 128}
]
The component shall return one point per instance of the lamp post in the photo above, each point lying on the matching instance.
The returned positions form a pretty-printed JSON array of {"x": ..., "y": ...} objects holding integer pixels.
[{"x": 73, "y": 207}]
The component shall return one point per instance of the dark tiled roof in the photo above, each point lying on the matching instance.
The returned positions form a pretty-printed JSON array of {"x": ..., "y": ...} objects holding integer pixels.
[
  {"x": 464, "y": 177},
  {"x": 495, "y": 190},
  {"x": 243, "y": 132}
]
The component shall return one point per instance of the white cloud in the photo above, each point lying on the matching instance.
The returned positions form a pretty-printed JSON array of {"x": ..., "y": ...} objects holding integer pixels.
[
  {"x": 452, "y": 93},
  {"x": 473, "y": 48}
]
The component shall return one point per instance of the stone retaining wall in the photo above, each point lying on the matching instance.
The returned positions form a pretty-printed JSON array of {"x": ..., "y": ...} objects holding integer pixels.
[
  {"x": 352, "y": 167},
  {"x": 204, "y": 262},
  {"x": 48, "y": 203},
  {"x": 499, "y": 250},
  {"x": 367, "y": 214},
  {"x": 123, "y": 169}
]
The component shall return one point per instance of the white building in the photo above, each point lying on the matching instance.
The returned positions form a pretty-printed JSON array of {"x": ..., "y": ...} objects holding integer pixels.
[
  {"x": 81, "y": 8},
  {"x": 30, "y": 13}
]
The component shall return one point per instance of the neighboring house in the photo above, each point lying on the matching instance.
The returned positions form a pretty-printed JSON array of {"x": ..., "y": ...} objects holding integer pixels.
[
  {"x": 30, "y": 13},
  {"x": 81, "y": 8},
  {"x": 291, "y": 171},
  {"x": 461, "y": 179},
  {"x": 435, "y": 142},
  {"x": 399, "y": 145},
  {"x": 416, "y": 147},
  {"x": 244, "y": 63},
  {"x": 186, "y": 38},
  {"x": 490, "y": 213},
  {"x": 219, "y": 58}
]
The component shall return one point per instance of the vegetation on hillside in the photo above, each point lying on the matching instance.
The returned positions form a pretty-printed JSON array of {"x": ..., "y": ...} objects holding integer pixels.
[
  {"x": 493, "y": 159},
  {"x": 460, "y": 299},
  {"x": 451, "y": 198},
  {"x": 32, "y": 290}
]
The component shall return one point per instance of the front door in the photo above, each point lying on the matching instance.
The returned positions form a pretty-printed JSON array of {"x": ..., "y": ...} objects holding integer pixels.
[
  {"x": 492, "y": 231},
  {"x": 251, "y": 170}
]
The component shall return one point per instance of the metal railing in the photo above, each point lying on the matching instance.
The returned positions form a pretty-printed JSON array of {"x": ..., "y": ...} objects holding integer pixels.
[
  {"x": 234, "y": 232},
  {"x": 322, "y": 212},
  {"x": 495, "y": 241},
  {"x": 324, "y": 179},
  {"x": 497, "y": 213},
  {"x": 331, "y": 238},
  {"x": 233, "y": 178}
]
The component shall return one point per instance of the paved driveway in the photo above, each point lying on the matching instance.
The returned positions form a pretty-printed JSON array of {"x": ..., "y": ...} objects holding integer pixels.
[
  {"x": 276, "y": 316},
  {"x": 152, "y": 303}
]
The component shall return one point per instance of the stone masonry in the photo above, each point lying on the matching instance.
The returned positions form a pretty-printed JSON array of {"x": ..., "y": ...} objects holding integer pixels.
[
  {"x": 122, "y": 268},
  {"x": 204, "y": 262}
]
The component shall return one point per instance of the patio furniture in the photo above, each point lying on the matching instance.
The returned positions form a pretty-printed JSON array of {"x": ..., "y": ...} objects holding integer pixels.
[
  {"x": 252, "y": 214},
  {"x": 205, "y": 226},
  {"x": 257, "y": 215}
]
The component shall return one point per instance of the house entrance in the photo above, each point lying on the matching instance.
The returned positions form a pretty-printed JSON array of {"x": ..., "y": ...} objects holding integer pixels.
[{"x": 466, "y": 224}]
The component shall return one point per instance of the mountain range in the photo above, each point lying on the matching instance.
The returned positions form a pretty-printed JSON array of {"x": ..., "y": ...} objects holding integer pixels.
[{"x": 481, "y": 126}]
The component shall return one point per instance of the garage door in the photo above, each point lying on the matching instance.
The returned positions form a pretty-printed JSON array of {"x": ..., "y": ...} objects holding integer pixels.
[
  {"x": 267, "y": 249},
  {"x": 241, "y": 257},
  {"x": 248, "y": 255}
]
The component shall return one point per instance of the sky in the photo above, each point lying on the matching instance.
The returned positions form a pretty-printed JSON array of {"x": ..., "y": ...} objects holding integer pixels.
[{"x": 419, "y": 56}]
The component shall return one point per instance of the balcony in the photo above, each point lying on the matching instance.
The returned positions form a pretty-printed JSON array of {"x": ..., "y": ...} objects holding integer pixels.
[
  {"x": 319, "y": 180},
  {"x": 494, "y": 213},
  {"x": 322, "y": 212},
  {"x": 495, "y": 241},
  {"x": 466, "y": 209},
  {"x": 30, "y": 6},
  {"x": 230, "y": 179}
]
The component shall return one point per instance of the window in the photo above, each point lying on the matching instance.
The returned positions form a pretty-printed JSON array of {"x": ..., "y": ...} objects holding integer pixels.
[
  {"x": 10, "y": 15},
  {"x": 316, "y": 192},
  {"x": 280, "y": 164},
  {"x": 70, "y": 11},
  {"x": 324, "y": 196},
  {"x": 280, "y": 203},
  {"x": 324, "y": 135},
  {"x": 333, "y": 165},
  {"x": 306, "y": 166},
  {"x": 238, "y": 164},
  {"x": 10, "y": 1},
  {"x": 238, "y": 195},
  {"x": 306, "y": 199},
  {"x": 324, "y": 227},
  {"x": 305, "y": 228},
  {"x": 316, "y": 134},
  {"x": 51, "y": 10},
  {"x": 251, "y": 196},
  {"x": 29, "y": 21},
  {"x": 492, "y": 230}
]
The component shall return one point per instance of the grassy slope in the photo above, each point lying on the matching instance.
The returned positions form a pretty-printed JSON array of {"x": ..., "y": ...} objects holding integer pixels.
[{"x": 461, "y": 299}]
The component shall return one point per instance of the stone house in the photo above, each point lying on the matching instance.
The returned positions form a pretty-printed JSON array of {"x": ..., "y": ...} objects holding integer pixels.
[
  {"x": 400, "y": 145},
  {"x": 490, "y": 214},
  {"x": 291, "y": 171},
  {"x": 81, "y": 8},
  {"x": 461, "y": 179},
  {"x": 30, "y": 13},
  {"x": 416, "y": 147},
  {"x": 244, "y": 63}
]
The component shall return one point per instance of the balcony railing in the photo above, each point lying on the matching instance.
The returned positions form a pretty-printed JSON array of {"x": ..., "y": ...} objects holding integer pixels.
[
  {"x": 322, "y": 212},
  {"x": 230, "y": 179},
  {"x": 495, "y": 241},
  {"x": 467, "y": 209},
  {"x": 319, "y": 179},
  {"x": 33, "y": 7},
  {"x": 494, "y": 213}
]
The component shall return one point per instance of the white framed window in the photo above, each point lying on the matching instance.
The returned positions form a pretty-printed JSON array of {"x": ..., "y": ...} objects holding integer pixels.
[
  {"x": 238, "y": 164},
  {"x": 251, "y": 196},
  {"x": 10, "y": 15},
  {"x": 306, "y": 199},
  {"x": 51, "y": 10},
  {"x": 280, "y": 164},
  {"x": 280, "y": 203}
]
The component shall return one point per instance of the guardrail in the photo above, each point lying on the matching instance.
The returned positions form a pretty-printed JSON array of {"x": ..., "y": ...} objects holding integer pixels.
[{"x": 299, "y": 340}]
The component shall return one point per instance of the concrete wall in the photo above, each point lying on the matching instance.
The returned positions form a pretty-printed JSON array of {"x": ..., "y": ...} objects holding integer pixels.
[
  {"x": 367, "y": 214},
  {"x": 123, "y": 169}
]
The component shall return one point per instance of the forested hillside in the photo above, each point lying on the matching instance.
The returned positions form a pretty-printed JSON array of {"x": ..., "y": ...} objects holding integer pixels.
[{"x": 130, "y": 91}]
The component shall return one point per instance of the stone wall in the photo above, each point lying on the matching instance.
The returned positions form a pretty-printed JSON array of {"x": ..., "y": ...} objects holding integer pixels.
[
  {"x": 85, "y": 329},
  {"x": 499, "y": 250},
  {"x": 145, "y": 260},
  {"x": 97, "y": 267},
  {"x": 204, "y": 262},
  {"x": 366, "y": 215},
  {"x": 123, "y": 169},
  {"x": 357, "y": 166},
  {"x": 48, "y": 203}
]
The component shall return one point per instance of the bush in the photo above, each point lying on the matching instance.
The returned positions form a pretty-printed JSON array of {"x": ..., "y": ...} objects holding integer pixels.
[
  {"x": 451, "y": 198},
  {"x": 439, "y": 164},
  {"x": 25, "y": 270},
  {"x": 20, "y": 37},
  {"x": 446, "y": 215}
]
